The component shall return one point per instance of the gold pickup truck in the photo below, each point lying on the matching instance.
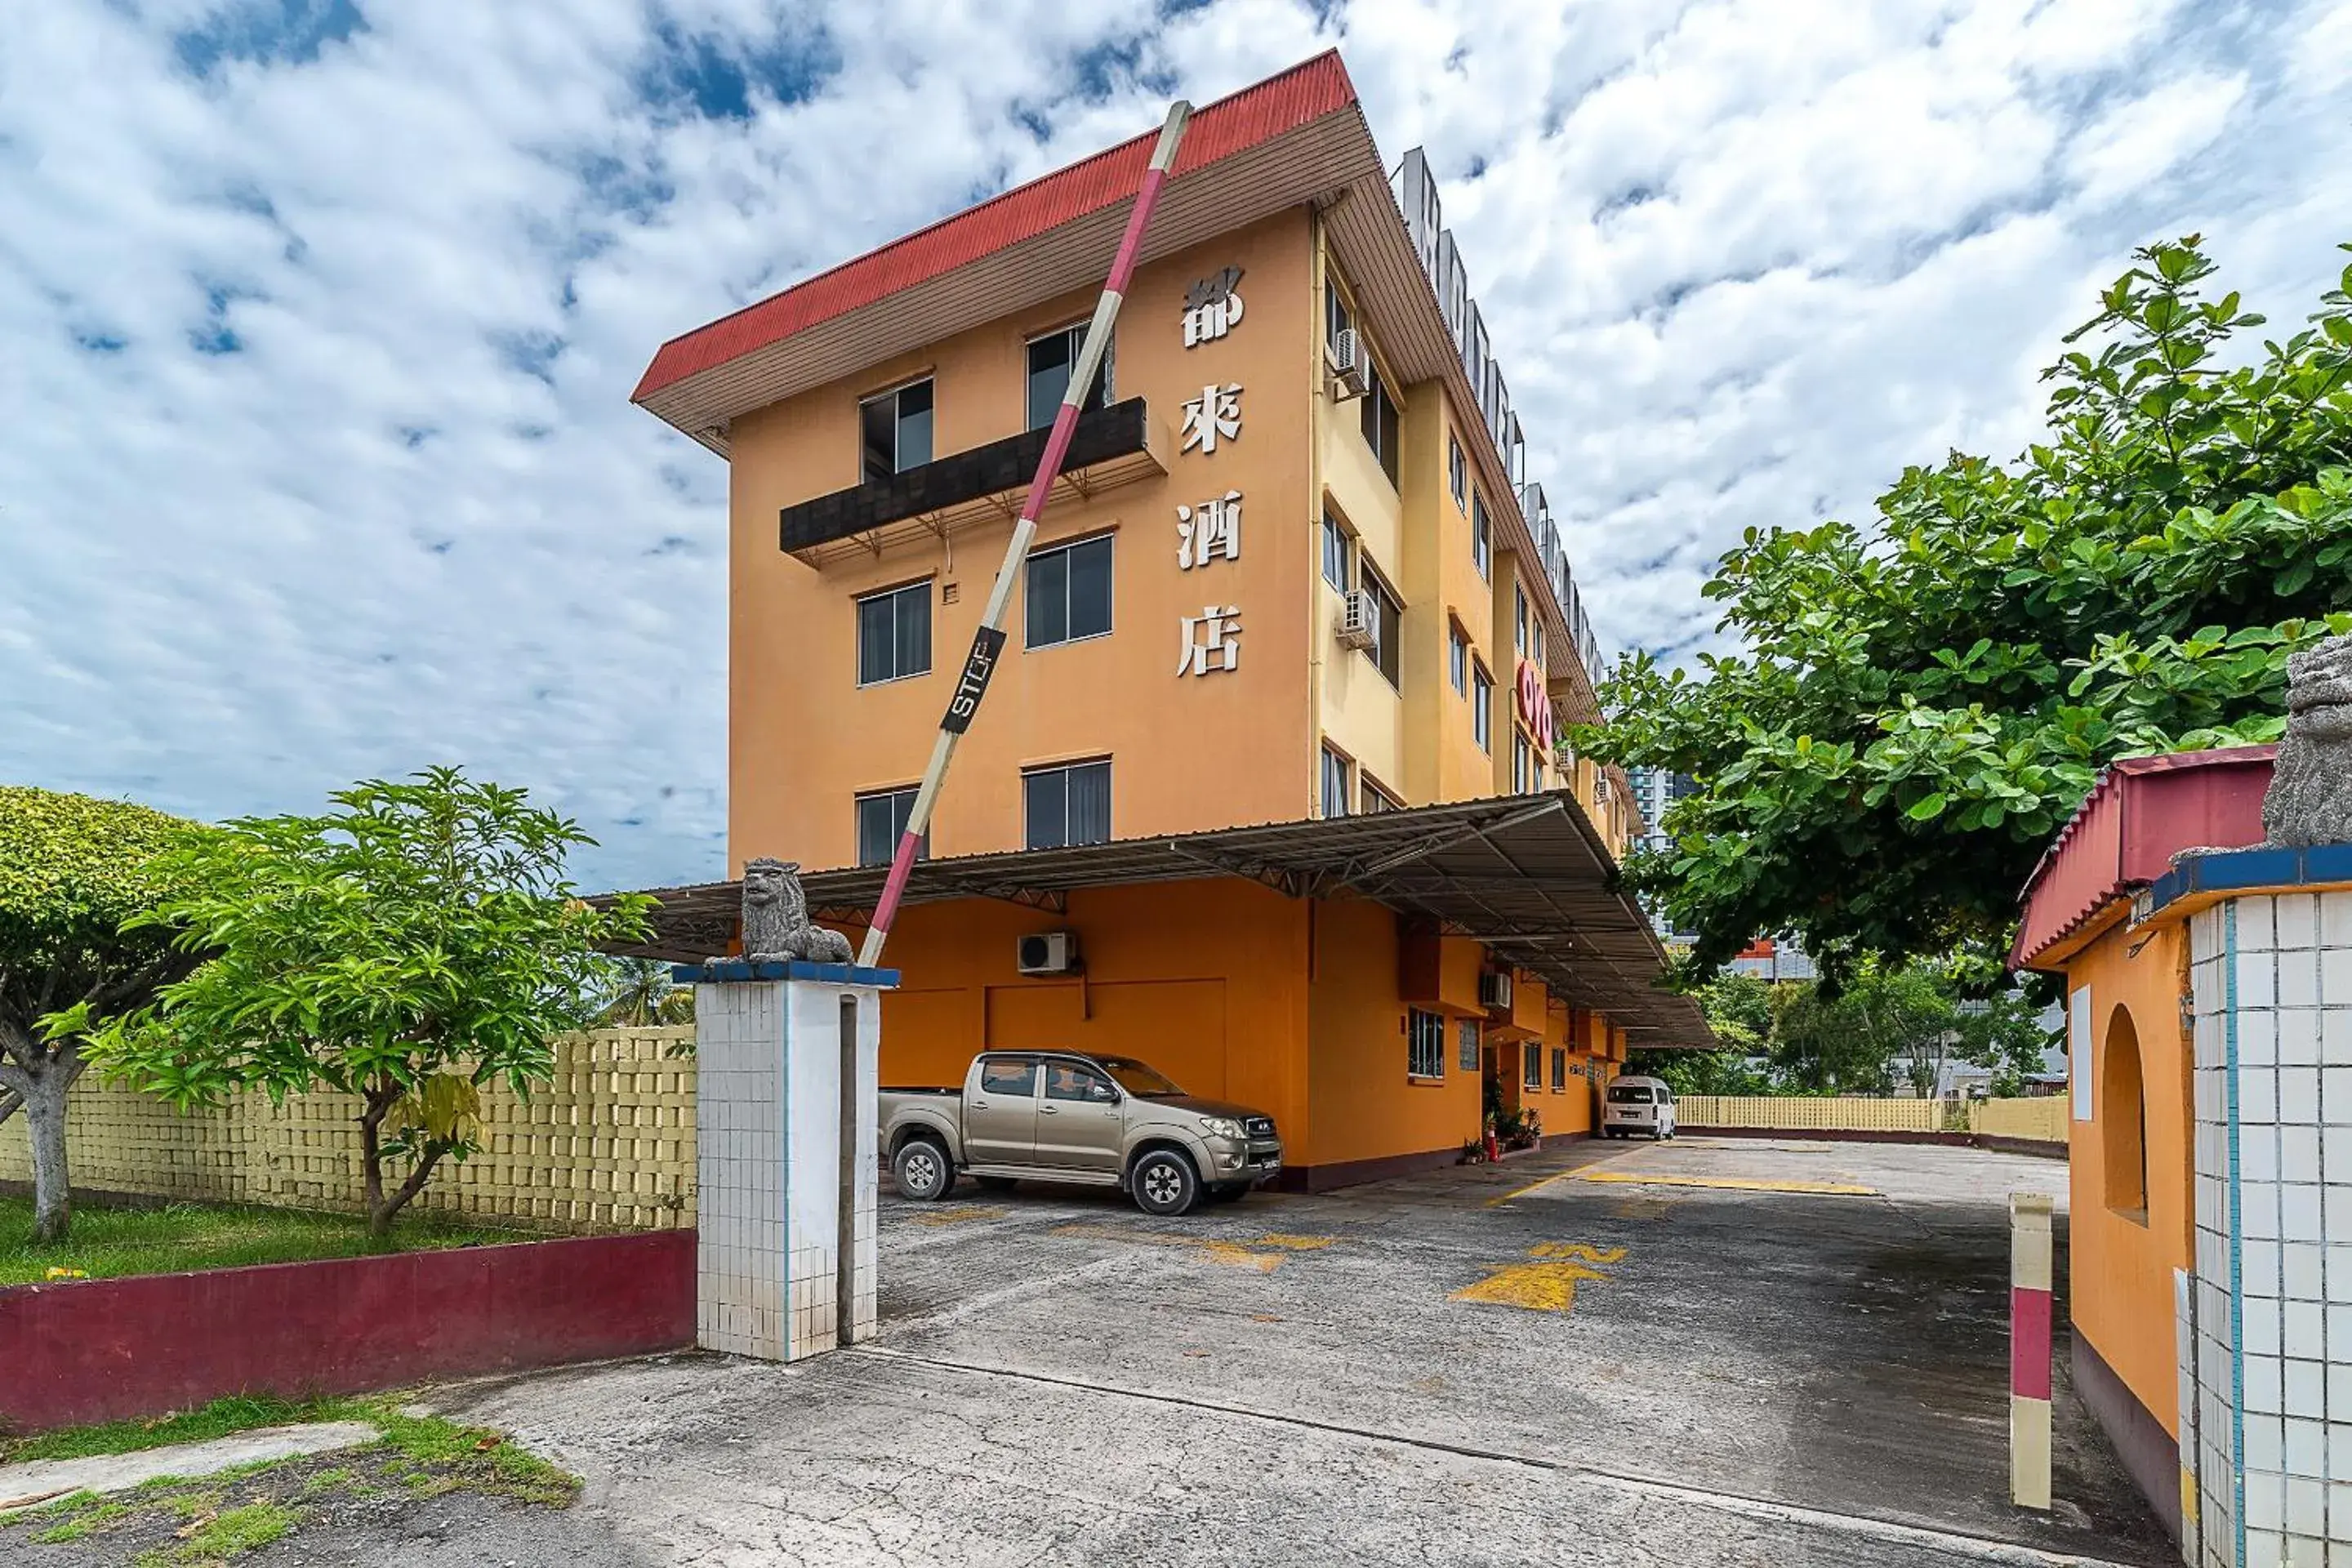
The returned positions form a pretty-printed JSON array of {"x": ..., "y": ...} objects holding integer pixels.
[{"x": 1065, "y": 1116}]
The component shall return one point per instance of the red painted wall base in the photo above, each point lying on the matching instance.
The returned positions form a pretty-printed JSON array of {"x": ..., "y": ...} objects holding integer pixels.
[{"x": 103, "y": 1350}]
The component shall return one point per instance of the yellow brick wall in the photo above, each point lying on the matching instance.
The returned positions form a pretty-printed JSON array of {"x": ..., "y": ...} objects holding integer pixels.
[
  {"x": 2043, "y": 1119},
  {"x": 607, "y": 1143}
]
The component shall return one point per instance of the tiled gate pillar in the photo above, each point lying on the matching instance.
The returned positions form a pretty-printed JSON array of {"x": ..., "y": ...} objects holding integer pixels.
[
  {"x": 2265, "y": 1418},
  {"x": 785, "y": 1133}
]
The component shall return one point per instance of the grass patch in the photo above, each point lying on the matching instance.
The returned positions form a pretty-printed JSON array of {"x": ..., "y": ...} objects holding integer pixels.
[
  {"x": 218, "y": 1419},
  {"x": 110, "y": 1242},
  {"x": 88, "y": 1517},
  {"x": 190, "y": 1524},
  {"x": 222, "y": 1536}
]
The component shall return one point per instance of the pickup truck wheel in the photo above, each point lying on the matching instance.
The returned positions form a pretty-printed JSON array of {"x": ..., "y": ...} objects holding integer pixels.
[
  {"x": 1164, "y": 1184},
  {"x": 923, "y": 1171}
]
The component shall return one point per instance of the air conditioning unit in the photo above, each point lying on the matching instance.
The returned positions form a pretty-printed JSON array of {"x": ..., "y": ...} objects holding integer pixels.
[
  {"x": 1495, "y": 989},
  {"x": 1048, "y": 953},
  {"x": 1351, "y": 371},
  {"x": 1359, "y": 618}
]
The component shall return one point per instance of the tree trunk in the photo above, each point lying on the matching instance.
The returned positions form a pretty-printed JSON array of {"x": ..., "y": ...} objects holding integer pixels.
[
  {"x": 41, "y": 1082},
  {"x": 377, "y": 1103}
]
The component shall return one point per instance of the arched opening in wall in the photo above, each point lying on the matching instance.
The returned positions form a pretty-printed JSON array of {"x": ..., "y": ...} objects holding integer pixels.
[{"x": 2122, "y": 1119}]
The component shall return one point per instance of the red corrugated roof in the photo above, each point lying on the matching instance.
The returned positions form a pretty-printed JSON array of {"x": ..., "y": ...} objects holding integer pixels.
[
  {"x": 1256, "y": 114},
  {"x": 2143, "y": 812}
]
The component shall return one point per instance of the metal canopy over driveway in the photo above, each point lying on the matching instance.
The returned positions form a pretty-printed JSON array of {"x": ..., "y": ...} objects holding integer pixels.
[{"x": 1525, "y": 875}]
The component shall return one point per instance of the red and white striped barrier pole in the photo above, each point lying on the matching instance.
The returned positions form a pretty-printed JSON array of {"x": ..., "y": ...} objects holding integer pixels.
[
  {"x": 2030, "y": 1306},
  {"x": 988, "y": 643}
]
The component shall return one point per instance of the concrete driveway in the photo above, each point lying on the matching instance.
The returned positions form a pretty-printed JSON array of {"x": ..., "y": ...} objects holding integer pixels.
[{"x": 1710, "y": 1352}]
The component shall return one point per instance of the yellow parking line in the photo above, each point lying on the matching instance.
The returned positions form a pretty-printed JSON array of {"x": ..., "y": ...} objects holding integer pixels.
[
  {"x": 1523, "y": 1192},
  {"x": 1730, "y": 1183}
]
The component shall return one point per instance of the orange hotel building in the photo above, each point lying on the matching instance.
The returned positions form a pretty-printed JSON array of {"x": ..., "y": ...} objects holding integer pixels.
[{"x": 1276, "y": 738}]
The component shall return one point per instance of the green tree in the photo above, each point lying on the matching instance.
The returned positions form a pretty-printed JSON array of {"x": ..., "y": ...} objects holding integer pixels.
[
  {"x": 1918, "y": 705},
  {"x": 1739, "y": 1008},
  {"x": 416, "y": 942},
  {"x": 72, "y": 871},
  {"x": 639, "y": 991}
]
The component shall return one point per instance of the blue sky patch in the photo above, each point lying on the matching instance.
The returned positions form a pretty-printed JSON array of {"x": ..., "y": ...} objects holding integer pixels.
[{"x": 268, "y": 32}]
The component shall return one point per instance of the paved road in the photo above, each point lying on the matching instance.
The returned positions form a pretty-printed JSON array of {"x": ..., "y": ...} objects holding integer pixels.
[{"x": 1559, "y": 1358}]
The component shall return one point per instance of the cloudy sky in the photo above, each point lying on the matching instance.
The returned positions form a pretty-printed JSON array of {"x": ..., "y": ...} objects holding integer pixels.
[{"x": 318, "y": 318}]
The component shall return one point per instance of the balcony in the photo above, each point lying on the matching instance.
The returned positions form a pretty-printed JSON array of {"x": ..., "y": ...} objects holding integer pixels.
[{"x": 980, "y": 487}]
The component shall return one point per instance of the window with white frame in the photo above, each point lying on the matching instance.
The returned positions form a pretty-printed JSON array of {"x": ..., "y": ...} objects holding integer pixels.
[
  {"x": 1425, "y": 1054},
  {"x": 1457, "y": 659},
  {"x": 1337, "y": 783},
  {"x": 1457, "y": 473},
  {"x": 894, "y": 633},
  {"x": 1051, "y": 359},
  {"x": 1482, "y": 537},
  {"x": 895, "y": 430},
  {"x": 1069, "y": 592},
  {"x": 1466, "y": 1035},
  {"x": 1066, "y": 806},
  {"x": 1482, "y": 707},
  {"x": 1338, "y": 552},
  {"x": 882, "y": 818},
  {"x": 1387, "y": 651},
  {"x": 1533, "y": 1054}
]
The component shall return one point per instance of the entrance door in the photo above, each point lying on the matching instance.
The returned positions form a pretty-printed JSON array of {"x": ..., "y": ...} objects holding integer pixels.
[
  {"x": 1081, "y": 1124},
  {"x": 1000, "y": 1121}
]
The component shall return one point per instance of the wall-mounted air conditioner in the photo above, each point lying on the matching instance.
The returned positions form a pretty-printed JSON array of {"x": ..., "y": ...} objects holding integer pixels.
[
  {"x": 1048, "y": 953},
  {"x": 1495, "y": 989},
  {"x": 1351, "y": 374},
  {"x": 1359, "y": 619}
]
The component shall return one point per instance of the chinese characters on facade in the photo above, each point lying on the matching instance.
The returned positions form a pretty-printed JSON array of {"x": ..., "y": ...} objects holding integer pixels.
[
  {"x": 1210, "y": 529},
  {"x": 1213, "y": 307}
]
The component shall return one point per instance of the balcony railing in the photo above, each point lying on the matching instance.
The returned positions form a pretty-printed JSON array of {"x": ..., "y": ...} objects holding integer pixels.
[{"x": 1111, "y": 447}]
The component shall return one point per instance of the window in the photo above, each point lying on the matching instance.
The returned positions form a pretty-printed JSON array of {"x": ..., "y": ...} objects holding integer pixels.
[
  {"x": 1338, "y": 553},
  {"x": 882, "y": 819},
  {"x": 1457, "y": 660},
  {"x": 1075, "y": 1080},
  {"x": 1482, "y": 537},
  {"x": 1532, "y": 1054},
  {"x": 1535, "y": 640},
  {"x": 1466, "y": 1055},
  {"x": 1519, "y": 638},
  {"x": 896, "y": 430},
  {"x": 1051, "y": 358},
  {"x": 1375, "y": 797},
  {"x": 1388, "y": 629},
  {"x": 1526, "y": 772},
  {"x": 1558, "y": 1068},
  {"x": 1380, "y": 420},
  {"x": 1069, "y": 592},
  {"x": 1335, "y": 783},
  {"x": 1482, "y": 707},
  {"x": 894, "y": 633},
  {"x": 1457, "y": 473},
  {"x": 2122, "y": 1119},
  {"x": 1426, "y": 1057},
  {"x": 1014, "y": 1076},
  {"x": 1066, "y": 806},
  {"x": 1337, "y": 316}
]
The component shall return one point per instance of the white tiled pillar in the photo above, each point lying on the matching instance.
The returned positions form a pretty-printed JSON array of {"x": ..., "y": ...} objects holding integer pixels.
[
  {"x": 2271, "y": 1424},
  {"x": 769, "y": 1121}
]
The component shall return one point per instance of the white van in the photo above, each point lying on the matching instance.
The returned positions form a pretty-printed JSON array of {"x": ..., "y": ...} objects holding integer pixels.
[{"x": 1637, "y": 1104}]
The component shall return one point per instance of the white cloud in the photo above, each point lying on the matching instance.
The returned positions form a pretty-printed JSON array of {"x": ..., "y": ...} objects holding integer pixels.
[{"x": 1745, "y": 258}]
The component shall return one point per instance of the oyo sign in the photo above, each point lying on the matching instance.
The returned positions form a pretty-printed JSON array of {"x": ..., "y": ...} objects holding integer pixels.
[{"x": 1534, "y": 705}]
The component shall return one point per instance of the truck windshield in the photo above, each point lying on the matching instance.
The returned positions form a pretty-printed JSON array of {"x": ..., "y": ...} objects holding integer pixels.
[
  {"x": 1138, "y": 1079},
  {"x": 1629, "y": 1094}
]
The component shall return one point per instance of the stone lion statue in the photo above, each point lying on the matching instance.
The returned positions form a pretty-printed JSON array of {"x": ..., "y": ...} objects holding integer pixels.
[
  {"x": 776, "y": 928},
  {"x": 2310, "y": 798}
]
